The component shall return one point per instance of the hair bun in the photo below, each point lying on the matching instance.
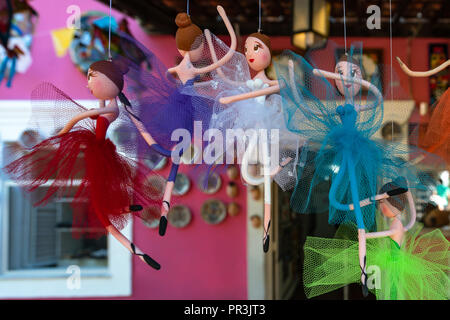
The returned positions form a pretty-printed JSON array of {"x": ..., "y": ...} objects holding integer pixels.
[{"x": 183, "y": 20}]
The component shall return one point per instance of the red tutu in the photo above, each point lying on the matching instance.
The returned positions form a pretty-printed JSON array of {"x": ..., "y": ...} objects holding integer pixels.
[
  {"x": 109, "y": 182},
  {"x": 437, "y": 137}
]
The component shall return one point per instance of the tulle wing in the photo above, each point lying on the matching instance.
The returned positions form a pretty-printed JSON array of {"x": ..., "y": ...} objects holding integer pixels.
[{"x": 52, "y": 108}]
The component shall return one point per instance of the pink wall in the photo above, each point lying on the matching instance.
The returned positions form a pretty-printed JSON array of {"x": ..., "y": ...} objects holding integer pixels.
[
  {"x": 61, "y": 71},
  {"x": 198, "y": 262}
]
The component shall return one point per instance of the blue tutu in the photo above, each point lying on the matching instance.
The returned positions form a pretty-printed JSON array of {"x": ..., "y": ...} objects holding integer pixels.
[{"x": 344, "y": 161}]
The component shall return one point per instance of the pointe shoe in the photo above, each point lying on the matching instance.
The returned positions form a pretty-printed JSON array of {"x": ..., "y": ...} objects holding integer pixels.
[
  {"x": 152, "y": 263},
  {"x": 163, "y": 221},
  {"x": 266, "y": 239},
  {"x": 365, "y": 290},
  {"x": 162, "y": 226}
]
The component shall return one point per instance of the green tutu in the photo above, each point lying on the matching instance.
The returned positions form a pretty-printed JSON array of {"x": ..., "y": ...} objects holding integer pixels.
[{"x": 418, "y": 270}]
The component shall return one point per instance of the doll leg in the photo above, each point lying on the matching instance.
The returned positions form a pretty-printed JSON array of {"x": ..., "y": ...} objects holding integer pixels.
[
  {"x": 359, "y": 222},
  {"x": 267, "y": 196},
  {"x": 124, "y": 241},
  {"x": 3, "y": 68},
  {"x": 11, "y": 72},
  {"x": 166, "y": 199},
  {"x": 168, "y": 189}
]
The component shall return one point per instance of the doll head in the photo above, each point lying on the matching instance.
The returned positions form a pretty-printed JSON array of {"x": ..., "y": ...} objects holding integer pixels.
[
  {"x": 188, "y": 37},
  {"x": 105, "y": 79},
  {"x": 257, "y": 50},
  {"x": 348, "y": 67},
  {"x": 393, "y": 205}
]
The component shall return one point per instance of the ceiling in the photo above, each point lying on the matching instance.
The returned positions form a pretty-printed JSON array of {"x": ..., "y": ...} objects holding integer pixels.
[{"x": 419, "y": 18}]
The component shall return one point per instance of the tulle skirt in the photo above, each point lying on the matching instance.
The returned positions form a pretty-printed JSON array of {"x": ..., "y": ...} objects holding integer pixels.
[
  {"x": 88, "y": 170},
  {"x": 374, "y": 163},
  {"x": 418, "y": 270},
  {"x": 437, "y": 137}
]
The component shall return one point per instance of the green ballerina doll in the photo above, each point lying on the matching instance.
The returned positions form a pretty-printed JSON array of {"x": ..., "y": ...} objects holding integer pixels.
[{"x": 402, "y": 262}]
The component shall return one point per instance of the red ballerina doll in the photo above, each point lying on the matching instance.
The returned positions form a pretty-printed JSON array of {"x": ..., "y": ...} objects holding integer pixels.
[{"x": 110, "y": 181}]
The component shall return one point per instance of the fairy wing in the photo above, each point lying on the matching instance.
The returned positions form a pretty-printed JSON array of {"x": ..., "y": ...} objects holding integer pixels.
[{"x": 51, "y": 109}]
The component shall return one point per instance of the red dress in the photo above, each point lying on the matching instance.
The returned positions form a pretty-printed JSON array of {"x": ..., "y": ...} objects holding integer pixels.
[
  {"x": 110, "y": 182},
  {"x": 437, "y": 137}
]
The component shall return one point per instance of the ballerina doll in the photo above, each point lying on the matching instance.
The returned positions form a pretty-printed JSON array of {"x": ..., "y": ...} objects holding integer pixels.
[
  {"x": 161, "y": 104},
  {"x": 437, "y": 137},
  {"x": 341, "y": 131},
  {"x": 412, "y": 266},
  {"x": 110, "y": 181},
  {"x": 239, "y": 110}
]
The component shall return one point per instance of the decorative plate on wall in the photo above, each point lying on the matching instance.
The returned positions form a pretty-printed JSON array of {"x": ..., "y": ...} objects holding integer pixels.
[
  {"x": 213, "y": 211},
  {"x": 122, "y": 135},
  {"x": 179, "y": 216},
  {"x": 212, "y": 185},
  {"x": 182, "y": 184}
]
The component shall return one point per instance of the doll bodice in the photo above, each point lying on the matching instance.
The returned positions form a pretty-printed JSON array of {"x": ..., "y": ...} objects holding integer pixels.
[
  {"x": 257, "y": 84},
  {"x": 101, "y": 127},
  {"x": 347, "y": 114}
]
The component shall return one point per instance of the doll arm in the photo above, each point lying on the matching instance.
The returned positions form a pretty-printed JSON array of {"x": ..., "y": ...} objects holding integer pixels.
[
  {"x": 172, "y": 70},
  {"x": 214, "y": 58},
  {"x": 230, "y": 53},
  {"x": 148, "y": 138},
  {"x": 422, "y": 73},
  {"x": 274, "y": 87},
  {"x": 87, "y": 114},
  {"x": 249, "y": 95}
]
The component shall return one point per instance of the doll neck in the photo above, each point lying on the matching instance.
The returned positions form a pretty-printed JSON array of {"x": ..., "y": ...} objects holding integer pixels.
[
  {"x": 399, "y": 232},
  {"x": 262, "y": 75},
  {"x": 110, "y": 116}
]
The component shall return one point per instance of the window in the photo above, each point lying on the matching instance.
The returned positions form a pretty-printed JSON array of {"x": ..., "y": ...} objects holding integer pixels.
[{"x": 38, "y": 254}]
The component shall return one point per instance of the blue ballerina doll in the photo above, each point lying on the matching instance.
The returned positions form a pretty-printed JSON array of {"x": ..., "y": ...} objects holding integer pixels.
[{"x": 340, "y": 122}]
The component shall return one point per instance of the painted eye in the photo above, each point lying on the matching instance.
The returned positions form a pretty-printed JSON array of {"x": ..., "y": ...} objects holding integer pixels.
[
  {"x": 245, "y": 49},
  {"x": 256, "y": 48},
  {"x": 353, "y": 73}
]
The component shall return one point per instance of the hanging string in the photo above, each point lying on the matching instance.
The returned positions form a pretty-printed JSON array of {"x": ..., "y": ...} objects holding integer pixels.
[
  {"x": 109, "y": 33},
  {"x": 390, "y": 44},
  {"x": 345, "y": 29},
  {"x": 187, "y": 7},
  {"x": 259, "y": 23}
]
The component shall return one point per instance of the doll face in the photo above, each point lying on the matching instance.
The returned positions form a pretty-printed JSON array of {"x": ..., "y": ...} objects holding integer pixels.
[
  {"x": 101, "y": 86},
  {"x": 386, "y": 210},
  {"x": 348, "y": 70},
  {"x": 257, "y": 54}
]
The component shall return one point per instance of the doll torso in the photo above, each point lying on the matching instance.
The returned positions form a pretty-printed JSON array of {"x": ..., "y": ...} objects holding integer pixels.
[
  {"x": 257, "y": 84},
  {"x": 101, "y": 127}
]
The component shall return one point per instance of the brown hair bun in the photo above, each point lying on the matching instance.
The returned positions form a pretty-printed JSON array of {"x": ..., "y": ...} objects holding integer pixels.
[
  {"x": 187, "y": 33},
  {"x": 183, "y": 20}
]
